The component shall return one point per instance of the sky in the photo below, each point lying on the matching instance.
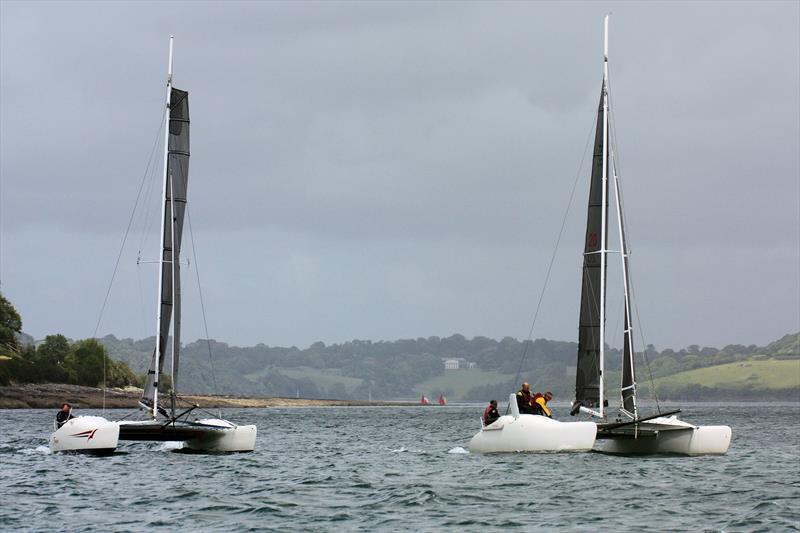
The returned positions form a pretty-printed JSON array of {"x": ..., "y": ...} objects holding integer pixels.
[{"x": 401, "y": 170}]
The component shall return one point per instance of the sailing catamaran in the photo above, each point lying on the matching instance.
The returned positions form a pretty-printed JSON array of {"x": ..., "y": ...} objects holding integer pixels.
[
  {"x": 164, "y": 423},
  {"x": 630, "y": 433}
]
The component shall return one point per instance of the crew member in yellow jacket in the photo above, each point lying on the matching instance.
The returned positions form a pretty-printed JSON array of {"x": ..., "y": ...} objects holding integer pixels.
[{"x": 540, "y": 404}]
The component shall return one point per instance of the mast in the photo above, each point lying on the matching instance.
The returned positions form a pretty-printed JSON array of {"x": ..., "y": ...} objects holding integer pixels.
[
  {"x": 176, "y": 176},
  {"x": 628, "y": 386},
  {"x": 603, "y": 224},
  {"x": 159, "y": 341}
]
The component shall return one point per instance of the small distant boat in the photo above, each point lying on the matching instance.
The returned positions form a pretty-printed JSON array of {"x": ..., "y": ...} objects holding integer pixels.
[
  {"x": 424, "y": 400},
  {"x": 91, "y": 434},
  {"x": 442, "y": 400}
]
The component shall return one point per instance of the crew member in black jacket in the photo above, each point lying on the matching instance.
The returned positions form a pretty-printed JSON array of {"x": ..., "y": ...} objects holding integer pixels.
[{"x": 64, "y": 414}]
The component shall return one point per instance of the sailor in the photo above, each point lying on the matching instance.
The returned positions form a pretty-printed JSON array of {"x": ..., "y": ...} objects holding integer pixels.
[
  {"x": 64, "y": 414},
  {"x": 525, "y": 400},
  {"x": 490, "y": 414},
  {"x": 540, "y": 404}
]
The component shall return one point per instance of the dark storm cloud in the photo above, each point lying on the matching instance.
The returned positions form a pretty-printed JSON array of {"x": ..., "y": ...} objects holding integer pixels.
[{"x": 390, "y": 169}]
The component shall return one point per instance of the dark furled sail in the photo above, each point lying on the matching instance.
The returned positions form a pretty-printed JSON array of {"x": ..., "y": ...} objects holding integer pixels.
[
  {"x": 588, "y": 375},
  {"x": 177, "y": 174},
  {"x": 628, "y": 366}
]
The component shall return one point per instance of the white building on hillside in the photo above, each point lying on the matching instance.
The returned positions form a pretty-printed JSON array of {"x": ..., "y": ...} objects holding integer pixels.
[{"x": 457, "y": 363}]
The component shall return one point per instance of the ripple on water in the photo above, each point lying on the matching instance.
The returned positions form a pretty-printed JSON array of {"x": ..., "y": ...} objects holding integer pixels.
[{"x": 399, "y": 469}]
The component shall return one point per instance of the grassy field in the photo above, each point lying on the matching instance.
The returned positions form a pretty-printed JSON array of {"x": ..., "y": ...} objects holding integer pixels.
[
  {"x": 457, "y": 382},
  {"x": 755, "y": 374},
  {"x": 323, "y": 378}
]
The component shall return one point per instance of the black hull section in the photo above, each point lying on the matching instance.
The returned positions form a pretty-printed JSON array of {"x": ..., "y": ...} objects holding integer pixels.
[
  {"x": 100, "y": 452},
  {"x": 160, "y": 432}
]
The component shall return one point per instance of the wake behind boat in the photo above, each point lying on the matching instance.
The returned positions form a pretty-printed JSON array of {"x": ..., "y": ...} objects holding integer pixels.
[{"x": 163, "y": 424}]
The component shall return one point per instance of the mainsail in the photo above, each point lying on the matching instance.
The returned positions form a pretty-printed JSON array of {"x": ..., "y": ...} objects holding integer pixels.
[
  {"x": 589, "y": 374},
  {"x": 175, "y": 182}
]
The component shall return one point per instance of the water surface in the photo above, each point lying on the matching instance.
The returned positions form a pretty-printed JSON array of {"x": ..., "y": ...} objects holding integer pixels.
[{"x": 400, "y": 469}]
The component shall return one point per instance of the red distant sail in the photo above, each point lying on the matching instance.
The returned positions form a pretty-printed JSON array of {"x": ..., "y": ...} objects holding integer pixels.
[
  {"x": 442, "y": 400},
  {"x": 424, "y": 400}
]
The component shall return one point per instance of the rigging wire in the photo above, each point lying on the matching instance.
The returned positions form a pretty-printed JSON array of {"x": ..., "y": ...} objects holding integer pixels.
[
  {"x": 202, "y": 302},
  {"x": 644, "y": 350},
  {"x": 147, "y": 221},
  {"x": 144, "y": 230},
  {"x": 527, "y": 342},
  {"x": 119, "y": 257}
]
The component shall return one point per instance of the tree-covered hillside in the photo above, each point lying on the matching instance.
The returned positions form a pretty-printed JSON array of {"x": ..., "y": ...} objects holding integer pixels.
[
  {"x": 401, "y": 369},
  {"x": 408, "y": 367}
]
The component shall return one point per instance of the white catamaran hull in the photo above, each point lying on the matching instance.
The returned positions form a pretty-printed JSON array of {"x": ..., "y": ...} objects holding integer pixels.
[
  {"x": 670, "y": 435},
  {"x": 208, "y": 435},
  {"x": 86, "y": 434},
  {"x": 229, "y": 439},
  {"x": 533, "y": 433}
]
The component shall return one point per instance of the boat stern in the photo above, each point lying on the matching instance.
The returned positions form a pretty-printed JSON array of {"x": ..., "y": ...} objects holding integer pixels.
[{"x": 229, "y": 438}]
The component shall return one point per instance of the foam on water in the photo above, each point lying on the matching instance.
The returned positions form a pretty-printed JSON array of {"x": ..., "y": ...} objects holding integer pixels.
[
  {"x": 170, "y": 446},
  {"x": 457, "y": 449},
  {"x": 38, "y": 450}
]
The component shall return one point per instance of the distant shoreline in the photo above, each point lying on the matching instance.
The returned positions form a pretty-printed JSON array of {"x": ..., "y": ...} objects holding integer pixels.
[{"x": 52, "y": 395}]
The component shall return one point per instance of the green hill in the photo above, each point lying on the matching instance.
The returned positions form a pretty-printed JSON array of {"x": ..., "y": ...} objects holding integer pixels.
[
  {"x": 787, "y": 346},
  {"x": 756, "y": 378},
  {"x": 753, "y": 373}
]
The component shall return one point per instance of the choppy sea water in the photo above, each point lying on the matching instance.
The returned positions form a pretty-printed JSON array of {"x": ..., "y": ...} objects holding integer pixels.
[{"x": 401, "y": 469}]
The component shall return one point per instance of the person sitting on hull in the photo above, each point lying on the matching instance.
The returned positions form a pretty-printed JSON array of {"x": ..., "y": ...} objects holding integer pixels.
[
  {"x": 490, "y": 414},
  {"x": 540, "y": 404},
  {"x": 525, "y": 400},
  {"x": 64, "y": 414}
]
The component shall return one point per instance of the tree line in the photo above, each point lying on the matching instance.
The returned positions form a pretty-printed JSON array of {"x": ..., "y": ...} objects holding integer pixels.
[
  {"x": 355, "y": 369},
  {"x": 56, "y": 360}
]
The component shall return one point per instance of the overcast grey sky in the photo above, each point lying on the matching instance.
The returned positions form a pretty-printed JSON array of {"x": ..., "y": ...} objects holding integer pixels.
[{"x": 394, "y": 170}]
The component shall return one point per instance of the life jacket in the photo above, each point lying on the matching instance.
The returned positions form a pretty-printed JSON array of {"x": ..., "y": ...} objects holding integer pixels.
[
  {"x": 540, "y": 407},
  {"x": 486, "y": 412}
]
